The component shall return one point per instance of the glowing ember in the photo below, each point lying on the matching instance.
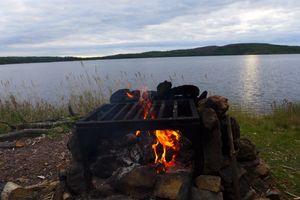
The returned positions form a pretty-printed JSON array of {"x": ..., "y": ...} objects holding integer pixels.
[
  {"x": 138, "y": 133},
  {"x": 129, "y": 95},
  {"x": 167, "y": 139}
]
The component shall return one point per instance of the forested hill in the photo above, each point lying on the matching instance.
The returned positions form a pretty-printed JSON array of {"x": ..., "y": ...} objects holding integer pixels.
[
  {"x": 231, "y": 49},
  {"x": 35, "y": 59}
]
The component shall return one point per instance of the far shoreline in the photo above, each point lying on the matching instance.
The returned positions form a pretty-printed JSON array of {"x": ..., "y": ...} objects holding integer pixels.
[{"x": 227, "y": 50}]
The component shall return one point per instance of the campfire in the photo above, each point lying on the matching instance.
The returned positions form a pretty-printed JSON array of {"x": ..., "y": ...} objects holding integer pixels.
[
  {"x": 173, "y": 143},
  {"x": 165, "y": 140}
]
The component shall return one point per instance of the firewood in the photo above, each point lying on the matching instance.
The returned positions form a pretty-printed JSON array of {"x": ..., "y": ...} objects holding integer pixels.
[
  {"x": 21, "y": 134},
  {"x": 45, "y": 124},
  {"x": 9, "y": 125}
]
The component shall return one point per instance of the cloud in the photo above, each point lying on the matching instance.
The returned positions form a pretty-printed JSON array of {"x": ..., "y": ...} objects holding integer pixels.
[{"x": 91, "y": 27}]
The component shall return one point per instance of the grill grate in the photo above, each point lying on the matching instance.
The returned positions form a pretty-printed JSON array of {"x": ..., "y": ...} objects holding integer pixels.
[{"x": 130, "y": 115}]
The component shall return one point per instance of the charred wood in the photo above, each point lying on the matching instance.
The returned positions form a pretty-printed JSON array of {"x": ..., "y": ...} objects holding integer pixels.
[{"x": 186, "y": 91}]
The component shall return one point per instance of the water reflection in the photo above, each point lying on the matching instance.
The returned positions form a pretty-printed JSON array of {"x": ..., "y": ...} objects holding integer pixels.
[{"x": 250, "y": 79}]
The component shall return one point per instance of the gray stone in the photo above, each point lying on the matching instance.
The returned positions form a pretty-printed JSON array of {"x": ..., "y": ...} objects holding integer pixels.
[
  {"x": 204, "y": 194},
  {"x": 210, "y": 183}
]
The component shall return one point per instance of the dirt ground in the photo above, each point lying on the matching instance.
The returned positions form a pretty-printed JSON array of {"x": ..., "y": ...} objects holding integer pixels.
[{"x": 39, "y": 159}]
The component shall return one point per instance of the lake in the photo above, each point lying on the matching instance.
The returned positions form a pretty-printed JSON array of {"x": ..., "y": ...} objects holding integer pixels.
[{"x": 251, "y": 81}]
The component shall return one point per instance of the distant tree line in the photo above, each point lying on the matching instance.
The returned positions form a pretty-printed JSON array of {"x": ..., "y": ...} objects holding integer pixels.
[
  {"x": 35, "y": 59},
  {"x": 231, "y": 49}
]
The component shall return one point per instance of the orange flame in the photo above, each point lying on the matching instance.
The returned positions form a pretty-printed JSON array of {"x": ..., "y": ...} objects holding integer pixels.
[
  {"x": 129, "y": 95},
  {"x": 138, "y": 133},
  {"x": 167, "y": 139}
]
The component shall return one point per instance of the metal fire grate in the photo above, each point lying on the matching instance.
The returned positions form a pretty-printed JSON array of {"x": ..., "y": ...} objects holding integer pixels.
[{"x": 129, "y": 116}]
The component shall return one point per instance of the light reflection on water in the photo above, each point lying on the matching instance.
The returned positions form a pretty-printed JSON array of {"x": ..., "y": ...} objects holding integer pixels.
[{"x": 252, "y": 81}]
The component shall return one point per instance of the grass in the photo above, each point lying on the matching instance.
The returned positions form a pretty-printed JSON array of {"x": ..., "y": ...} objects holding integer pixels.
[{"x": 277, "y": 137}]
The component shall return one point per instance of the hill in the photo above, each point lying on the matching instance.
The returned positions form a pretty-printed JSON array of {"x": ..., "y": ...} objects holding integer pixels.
[
  {"x": 231, "y": 49},
  {"x": 34, "y": 59}
]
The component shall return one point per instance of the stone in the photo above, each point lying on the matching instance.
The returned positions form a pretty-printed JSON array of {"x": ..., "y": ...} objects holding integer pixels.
[
  {"x": 75, "y": 179},
  {"x": 103, "y": 187},
  {"x": 203, "y": 95},
  {"x": 250, "y": 195},
  {"x": 219, "y": 104},
  {"x": 210, "y": 119},
  {"x": 169, "y": 185},
  {"x": 135, "y": 180},
  {"x": 212, "y": 147},
  {"x": 197, "y": 194},
  {"x": 247, "y": 150},
  {"x": 118, "y": 197},
  {"x": 208, "y": 182},
  {"x": 260, "y": 186},
  {"x": 227, "y": 174},
  {"x": 163, "y": 89},
  {"x": 104, "y": 166},
  {"x": 263, "y": 169},
  {"x": 74, "y": 147},
  {"x": 273, "y": 194},
  {"x": 67, "y": 196}
]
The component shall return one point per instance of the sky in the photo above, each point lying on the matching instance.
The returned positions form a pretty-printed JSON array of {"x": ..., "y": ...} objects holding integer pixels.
[{"x": 98, "y": 27}]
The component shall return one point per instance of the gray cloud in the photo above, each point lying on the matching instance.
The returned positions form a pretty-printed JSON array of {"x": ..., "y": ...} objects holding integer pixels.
[{"x": 92, "y": 27}]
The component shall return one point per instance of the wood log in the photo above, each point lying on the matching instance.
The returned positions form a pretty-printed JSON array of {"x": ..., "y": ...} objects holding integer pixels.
[
  {"x": 8, "y": 189},
  {"x": 45, "y": 124},
  {"x": 8, "y": 124},
  {"x": 21, "y": 134}
]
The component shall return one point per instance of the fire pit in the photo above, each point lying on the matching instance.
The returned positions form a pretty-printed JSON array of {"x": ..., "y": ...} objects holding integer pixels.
[{"x": 164, "y": 144}]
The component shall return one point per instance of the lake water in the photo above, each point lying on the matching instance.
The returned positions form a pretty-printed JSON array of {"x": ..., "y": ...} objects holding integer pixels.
[{"x": 252, "y": 81}]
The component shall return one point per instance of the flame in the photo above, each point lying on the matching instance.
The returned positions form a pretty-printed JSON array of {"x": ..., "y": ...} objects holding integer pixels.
[
  {"x": 138, "y": 133},
  {"x": 167, "y": 139},
  {"x": 129, "y": 95}
]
